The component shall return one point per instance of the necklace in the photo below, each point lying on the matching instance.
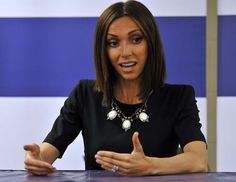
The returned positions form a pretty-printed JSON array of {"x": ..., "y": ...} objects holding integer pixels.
[{"x": 140, "y": 114}]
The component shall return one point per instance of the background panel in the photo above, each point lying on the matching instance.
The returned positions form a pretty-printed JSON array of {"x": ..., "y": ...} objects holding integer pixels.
[{"x": 47, "y": 56}]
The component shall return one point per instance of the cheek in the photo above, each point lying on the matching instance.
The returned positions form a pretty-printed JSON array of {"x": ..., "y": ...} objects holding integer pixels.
[
  {"x": 143, "y": 54},
  {"x": 112, "y": 55}
]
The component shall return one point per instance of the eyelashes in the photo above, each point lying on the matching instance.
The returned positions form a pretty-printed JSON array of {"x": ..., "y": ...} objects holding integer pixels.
[
  {"x": 114, "y": 42},
  {"x": 137, "y": 40}
]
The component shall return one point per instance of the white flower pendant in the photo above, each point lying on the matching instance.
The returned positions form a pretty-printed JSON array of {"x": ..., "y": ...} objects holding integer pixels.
[
  {"x": 143, "y": 117},
  {"x": 112, "y": 115},
  {"x": 126, "y": 124}
]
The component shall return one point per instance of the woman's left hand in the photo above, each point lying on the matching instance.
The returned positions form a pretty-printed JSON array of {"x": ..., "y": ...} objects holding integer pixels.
[{"x": 134, "y": 164}]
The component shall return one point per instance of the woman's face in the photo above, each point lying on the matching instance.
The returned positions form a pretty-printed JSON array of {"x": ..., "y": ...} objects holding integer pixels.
[{"x": 127, "y": 48}]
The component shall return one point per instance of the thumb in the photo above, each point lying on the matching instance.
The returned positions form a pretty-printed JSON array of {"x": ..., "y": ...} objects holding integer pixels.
[
  {"x": 32, "y": 149},
  {"x": 136, "y": 143}
]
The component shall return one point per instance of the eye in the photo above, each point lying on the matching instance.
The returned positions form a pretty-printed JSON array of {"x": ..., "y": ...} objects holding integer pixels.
[
  {"x": 112, "y": 43},
  {"x": 137, "y": 39}
]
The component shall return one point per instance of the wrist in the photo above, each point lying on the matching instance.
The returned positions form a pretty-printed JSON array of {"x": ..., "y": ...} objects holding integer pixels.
[{"x": 152, "y": 168}]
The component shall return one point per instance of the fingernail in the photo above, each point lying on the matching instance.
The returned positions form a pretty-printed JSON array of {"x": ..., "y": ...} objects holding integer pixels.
[
  {"x": 98, "y": 161},
  {"x": 51, "y": 167}
]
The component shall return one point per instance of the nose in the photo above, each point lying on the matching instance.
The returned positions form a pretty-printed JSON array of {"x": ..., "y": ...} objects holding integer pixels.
[{"x": 126, "y": 50}]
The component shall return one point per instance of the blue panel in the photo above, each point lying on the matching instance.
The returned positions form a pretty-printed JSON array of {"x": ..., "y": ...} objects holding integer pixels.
[
  {"x": 47, "y": 56},
  {"x": 184, "y": 43},
  {"x": 227, "y": 56}
]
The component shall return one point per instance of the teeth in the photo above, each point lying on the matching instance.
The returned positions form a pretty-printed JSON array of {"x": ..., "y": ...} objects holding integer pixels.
[{"x": 128, "y": 64}]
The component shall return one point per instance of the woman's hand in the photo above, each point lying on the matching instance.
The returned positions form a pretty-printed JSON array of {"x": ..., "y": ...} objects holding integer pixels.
[
  {"x": 34, "y": 163},
  {"x": 134, "y": 164}
]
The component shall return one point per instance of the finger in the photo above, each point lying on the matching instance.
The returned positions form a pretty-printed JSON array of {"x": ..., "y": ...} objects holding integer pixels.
[
  {"x": 30, "y": 147},
  {"x": 38, "y": 163},
  {"x": 108, "y": 163},
  {"x": 109, "y": 167},
  {"x": 112, "y": 155},
  {"x": 37, "y": 170},
  {"x": 121, "y": 171},
  {"x": 34, "y": 149},
  {"x": 136, "y": 143},
  {"x": 122, "y": 160},
  {"x": 40, "y": 169}
]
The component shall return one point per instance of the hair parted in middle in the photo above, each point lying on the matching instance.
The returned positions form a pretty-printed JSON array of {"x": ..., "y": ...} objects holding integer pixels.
[{"x": 154, "y": 72}]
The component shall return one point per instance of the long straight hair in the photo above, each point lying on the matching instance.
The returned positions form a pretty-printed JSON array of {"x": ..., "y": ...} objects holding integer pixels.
[{"x": 154, "y": 73}]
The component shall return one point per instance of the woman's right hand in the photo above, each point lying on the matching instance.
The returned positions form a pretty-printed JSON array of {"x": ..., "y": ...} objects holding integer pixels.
[{"x": 34, "y": 162}]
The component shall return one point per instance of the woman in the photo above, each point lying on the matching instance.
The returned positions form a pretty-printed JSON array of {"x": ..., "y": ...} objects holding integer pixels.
[{"x": 131, "y": 121}]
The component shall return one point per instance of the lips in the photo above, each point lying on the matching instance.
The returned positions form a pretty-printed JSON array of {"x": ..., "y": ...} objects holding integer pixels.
[{"x": 128, "y": 66}]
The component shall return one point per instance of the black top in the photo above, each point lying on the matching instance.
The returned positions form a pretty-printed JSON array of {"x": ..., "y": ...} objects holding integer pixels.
[{"x": 173, "y": 120}]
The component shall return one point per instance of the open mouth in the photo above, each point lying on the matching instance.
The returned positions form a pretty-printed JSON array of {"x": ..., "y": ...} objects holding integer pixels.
[{"x": 128, "y": 65}]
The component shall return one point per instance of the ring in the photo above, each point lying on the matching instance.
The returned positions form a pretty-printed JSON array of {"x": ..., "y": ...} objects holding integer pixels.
[{"x": 115, "y": 168}]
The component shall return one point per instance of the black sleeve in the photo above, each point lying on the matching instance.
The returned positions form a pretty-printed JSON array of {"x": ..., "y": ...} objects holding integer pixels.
[
  {"x": 188, "y": 127},
  {"x": 68, "y": 124}
]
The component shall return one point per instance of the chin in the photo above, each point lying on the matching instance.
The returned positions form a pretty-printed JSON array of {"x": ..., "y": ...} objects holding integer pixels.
[{"x": 130, "y": 78}]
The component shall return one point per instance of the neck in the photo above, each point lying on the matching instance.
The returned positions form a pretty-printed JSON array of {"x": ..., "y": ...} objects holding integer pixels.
[{"x": 127, "y": 92}]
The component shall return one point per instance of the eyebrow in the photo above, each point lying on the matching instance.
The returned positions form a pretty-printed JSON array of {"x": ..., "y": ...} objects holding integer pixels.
[{"x": 136, "y": 30}]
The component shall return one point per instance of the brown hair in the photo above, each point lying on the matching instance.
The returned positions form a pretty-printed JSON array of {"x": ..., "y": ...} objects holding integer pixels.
[{"x": 154, "y": 73}]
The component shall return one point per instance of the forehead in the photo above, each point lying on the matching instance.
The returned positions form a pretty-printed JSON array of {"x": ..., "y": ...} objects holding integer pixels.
[{"x": 124, "y": 23}]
